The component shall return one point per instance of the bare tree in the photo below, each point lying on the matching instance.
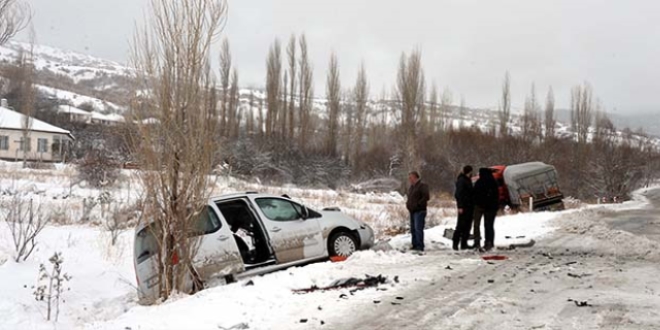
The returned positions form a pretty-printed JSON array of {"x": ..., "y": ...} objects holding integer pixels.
[
  {"x": 233, "y": 122},
  {"x": 14, "y": 17},
  {"x": 410, "y": 88},
  {"x": 225, "y": 81},
  {"x": 505, "y": 105},
  {"x": 333, "y": 92},
  {"x": 348, "y": 127},
  {"x": 461, "y": 112},
  {"x": 581, "y": 111},
  {"x": 361, "y": 97},
  {"x": 445, "y": 110},
  {"x": 550, "y": 121},
  {"x": 433, "y": 110},
  {"x": 306, "y": 94},
  {"x": 581, "y": 116},
  {"x": 291, "y": 56},
  {"x": 530, "y": 118},
  {"x": 173, "y": 55},
  {"x": 261, "y": 120},
  {"x": 249, "y": 126},
  {"x": 284, "y": 107},
  {"x": 27, "y": 94},
  {"x": 273, "y": 87}
]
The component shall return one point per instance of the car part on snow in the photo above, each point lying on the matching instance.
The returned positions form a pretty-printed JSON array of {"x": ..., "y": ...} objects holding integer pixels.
[
  {"x": 514, "y": 246},
  {"x": 495, "y": 257},
  {"x": 338, "y": 258}
]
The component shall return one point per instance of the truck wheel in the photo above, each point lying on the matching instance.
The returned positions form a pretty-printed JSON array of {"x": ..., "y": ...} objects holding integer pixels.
[{"x": 342, "y": 244}]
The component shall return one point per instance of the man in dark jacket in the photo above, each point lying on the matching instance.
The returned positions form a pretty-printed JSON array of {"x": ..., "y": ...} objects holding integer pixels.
[
  {"x": 465, "y": 204},
  {"x": 486, "y": 200},
  {"x": 418, "y": 196}
]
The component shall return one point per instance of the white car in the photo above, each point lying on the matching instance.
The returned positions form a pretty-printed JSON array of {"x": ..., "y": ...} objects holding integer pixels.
[{"x": 251, "y": 233}]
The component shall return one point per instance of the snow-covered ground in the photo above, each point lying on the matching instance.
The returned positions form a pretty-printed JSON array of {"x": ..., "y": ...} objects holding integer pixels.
[{"x": 101, "y": 293}]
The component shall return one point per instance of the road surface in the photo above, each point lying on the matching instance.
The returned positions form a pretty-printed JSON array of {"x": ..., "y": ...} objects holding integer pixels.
[{"x": 600, "y": 270}]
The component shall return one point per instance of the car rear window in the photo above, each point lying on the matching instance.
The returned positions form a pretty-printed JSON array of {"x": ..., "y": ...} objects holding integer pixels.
[{"x": 146, "y": 243}]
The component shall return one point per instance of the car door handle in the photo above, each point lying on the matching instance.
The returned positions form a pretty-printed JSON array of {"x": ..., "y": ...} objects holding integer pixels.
[
  {"x": 276, "y": 229},
  {"x": 223, "y": 238}
]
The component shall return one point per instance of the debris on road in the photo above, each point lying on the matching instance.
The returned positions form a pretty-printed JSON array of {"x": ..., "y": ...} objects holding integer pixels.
[
  {"x": 578, "y": 275},
  {"x": 239, "y": 326},
  {"x": 581, "y": 303},
  {"x": 351, "y": 282}
]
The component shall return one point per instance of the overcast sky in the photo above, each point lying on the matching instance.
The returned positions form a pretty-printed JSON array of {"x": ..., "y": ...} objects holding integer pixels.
[{"x": 467, "y": 45}]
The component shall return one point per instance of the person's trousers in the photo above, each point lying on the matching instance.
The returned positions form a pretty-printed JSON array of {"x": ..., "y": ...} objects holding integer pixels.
[
  {"x": 463, "y": 226},
  {"x": 417, "y": 223},
  {"x": 476, "y": 221},
  {"x": 489, "y": 225}
]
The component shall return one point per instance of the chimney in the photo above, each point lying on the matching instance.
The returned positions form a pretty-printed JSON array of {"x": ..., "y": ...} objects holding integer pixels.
[{"x": 4, "y": 103}]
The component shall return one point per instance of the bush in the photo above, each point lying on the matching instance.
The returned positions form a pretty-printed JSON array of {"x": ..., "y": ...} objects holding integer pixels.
[
  {"x": 25, "y": 222},
  {"x": 98, "y": 169}
]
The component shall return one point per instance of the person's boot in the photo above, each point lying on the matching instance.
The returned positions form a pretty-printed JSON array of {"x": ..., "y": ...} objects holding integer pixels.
[{"x": 455, "y": 241}]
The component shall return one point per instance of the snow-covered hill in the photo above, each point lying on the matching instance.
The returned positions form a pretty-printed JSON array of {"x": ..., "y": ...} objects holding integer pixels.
[
  {"x": 83, "y": 81},
  {"x": 73, "y": 78},
  {"x": 78, "y": 67}
]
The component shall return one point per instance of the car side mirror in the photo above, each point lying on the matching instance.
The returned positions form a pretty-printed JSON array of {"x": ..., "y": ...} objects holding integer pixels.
[{"x": 305, "y": 212}]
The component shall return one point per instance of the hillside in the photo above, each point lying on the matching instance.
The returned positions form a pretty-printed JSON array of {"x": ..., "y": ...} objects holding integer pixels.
[
  {"x": 73, "y": 78},
  {"x": 85, "y": 81}
]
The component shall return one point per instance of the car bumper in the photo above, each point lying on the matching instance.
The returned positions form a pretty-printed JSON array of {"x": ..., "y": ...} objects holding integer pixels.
[{"x": 366, "y": 237}]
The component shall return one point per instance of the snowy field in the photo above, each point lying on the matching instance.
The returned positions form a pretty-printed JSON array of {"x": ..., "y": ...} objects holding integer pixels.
[{"x": 101, "y": 293}]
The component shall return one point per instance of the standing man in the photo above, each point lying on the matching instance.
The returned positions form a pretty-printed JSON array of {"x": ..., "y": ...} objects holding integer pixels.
[
  {"x": 486, "y": 198},
  {"x": 464, "y": 195},
  {"x": 418, "y": 196}
]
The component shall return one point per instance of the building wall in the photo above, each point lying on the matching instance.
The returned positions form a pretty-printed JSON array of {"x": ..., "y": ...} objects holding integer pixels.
[{"x": 14, "y": 146}]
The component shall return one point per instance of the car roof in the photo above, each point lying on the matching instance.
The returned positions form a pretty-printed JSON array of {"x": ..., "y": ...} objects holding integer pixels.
[{"x": 243, "y": 194}]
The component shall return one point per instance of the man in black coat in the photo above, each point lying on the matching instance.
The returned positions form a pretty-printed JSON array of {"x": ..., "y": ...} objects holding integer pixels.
[
  {"x": 418, "y": 197},
  {"x": 486, "y": 200},
  {"x": 465, "y": 203}
]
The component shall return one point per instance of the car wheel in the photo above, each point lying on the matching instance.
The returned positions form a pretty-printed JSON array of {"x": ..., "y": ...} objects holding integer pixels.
[{"x": 342, "y": 244}]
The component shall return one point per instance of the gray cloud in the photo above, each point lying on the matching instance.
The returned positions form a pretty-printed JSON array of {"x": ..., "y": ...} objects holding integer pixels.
[{"x": 467, "y": 44}]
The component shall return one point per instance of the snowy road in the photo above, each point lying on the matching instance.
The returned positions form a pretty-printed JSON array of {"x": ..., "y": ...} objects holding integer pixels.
[{"x": 590, "y": 260}]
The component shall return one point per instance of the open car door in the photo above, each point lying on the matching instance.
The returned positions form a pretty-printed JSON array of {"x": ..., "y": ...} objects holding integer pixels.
[{"x": 217, "y": 253}]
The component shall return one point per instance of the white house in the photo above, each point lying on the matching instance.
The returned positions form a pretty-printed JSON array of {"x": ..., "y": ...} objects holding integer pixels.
[
  {"x": 75, "y": 114},
  {"x": 81, "y": 116},
  {"x": 44, "y": 142},
  {"x": 109, "y": 119}
]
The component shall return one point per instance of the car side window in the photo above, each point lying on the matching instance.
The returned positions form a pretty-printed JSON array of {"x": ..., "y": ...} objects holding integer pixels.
[
  {"x": 278, "y": 209},
  {"x": 206, "y": 222}
]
